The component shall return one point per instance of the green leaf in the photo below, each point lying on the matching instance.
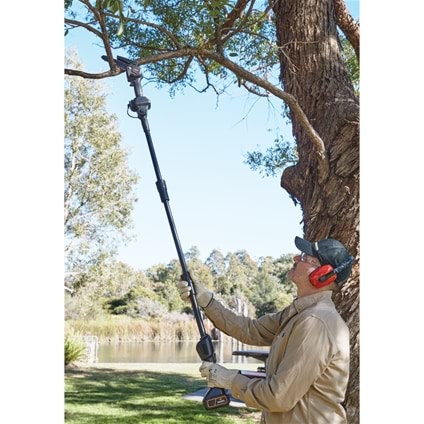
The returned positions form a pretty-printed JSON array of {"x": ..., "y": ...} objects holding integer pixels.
[
  {"x": 113, "y": 5},
  {"x": 120, "y": 29}
]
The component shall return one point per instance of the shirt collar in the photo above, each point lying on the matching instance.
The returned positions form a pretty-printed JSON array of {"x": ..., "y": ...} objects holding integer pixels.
[{"x": 304, "y": 302}]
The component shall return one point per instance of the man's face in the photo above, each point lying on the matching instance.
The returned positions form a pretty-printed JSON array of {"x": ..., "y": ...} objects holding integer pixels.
[{"x": 302, "y": 267}]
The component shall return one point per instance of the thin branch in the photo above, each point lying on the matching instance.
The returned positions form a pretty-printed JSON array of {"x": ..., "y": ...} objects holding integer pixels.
[
  {"x": 323, "y": 166},
  {"x": 106, "y": 41},
  {"x": 147, "y": 47},
  {"x": 243, "y": 21},
  {"x": 234, "y": 15},
  {"x": 183, "y": 73},
  {"x": 248, "y": 112},
  {"x": 100, "y": 75},
  {"x": 208, "y": 83},
  {"x": 348, "y": 25},
  {"x": 160, "y": 28},
  {"x": 83, "y": 25},
  {"x": 253, "y": 90}
]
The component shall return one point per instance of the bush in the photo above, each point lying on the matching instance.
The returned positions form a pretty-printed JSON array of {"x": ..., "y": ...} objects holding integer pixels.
[{"x": 74, "y": 349}]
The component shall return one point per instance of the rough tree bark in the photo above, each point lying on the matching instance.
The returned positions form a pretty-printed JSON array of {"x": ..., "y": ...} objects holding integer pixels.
[{"x": 312, "y": 70}]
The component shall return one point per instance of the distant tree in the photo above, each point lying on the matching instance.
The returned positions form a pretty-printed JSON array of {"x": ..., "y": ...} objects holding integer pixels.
[
  {"x": 164, "y": 278},
  {"x": 234, "y": 286},
  {"x": 234, "y": 277},
  {"x": 249, "y": 264},
  {"x": 216, "y": 263},
  {"x": 280, "y": 268},
  {"x": 99, "y": 186},
  {"x": 199, "y": 271},
  {"x": 137, "y": 303},
  {"x": 268, "y": 293},
  {"x": 102, "y": 282},
  {"x": 119, "y": 287}
]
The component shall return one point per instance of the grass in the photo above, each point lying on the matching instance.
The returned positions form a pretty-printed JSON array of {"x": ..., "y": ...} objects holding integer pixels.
[
  {"x": 124, "y": 328},
  {"x": 135, "y": 394}
]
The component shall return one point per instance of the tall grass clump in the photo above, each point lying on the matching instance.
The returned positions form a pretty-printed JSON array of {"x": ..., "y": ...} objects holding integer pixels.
[{"x": 74, "y": 348}]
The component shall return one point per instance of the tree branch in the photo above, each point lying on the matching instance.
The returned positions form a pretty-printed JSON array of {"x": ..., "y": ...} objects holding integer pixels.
[
  {"x": 100, "y": 75},
  {"x": 347, "y": 24},
  {"x": 160, "y": 28},
  {"x": 323, "y": 166},
  {"x": 241, "y": 27},
  {"x": 234, "y": 15},
  {"x": 208, "y": 83},
  {"x": 242, "y": 74},
  {"x": 100, "y": 16},
  {"x": 252, "y": 90},
  {"x": 182, "y": 74},
  {"x": 83, "y": 25}
]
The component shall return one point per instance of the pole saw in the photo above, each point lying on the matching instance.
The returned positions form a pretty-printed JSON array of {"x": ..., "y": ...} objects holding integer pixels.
[{"x": 215, "y": 397}]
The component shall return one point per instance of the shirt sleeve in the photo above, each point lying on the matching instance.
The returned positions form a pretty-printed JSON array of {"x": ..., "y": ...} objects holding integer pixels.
[
  {"x": 306, "y": 356},
  {"x": 258, "y": 332}
]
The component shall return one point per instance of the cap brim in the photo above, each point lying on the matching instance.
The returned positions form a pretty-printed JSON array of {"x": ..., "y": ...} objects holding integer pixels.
[{"x": 304, "y": 246}]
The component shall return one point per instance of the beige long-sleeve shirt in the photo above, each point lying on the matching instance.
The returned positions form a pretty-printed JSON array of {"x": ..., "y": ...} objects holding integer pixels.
[{"x": 307, "y": 368}]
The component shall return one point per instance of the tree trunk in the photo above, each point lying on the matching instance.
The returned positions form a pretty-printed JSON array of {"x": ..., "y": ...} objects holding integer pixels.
[{"x": 312, "y": 70}]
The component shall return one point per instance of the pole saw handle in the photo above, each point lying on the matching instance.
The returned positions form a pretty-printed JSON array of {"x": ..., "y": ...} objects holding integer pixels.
[{"x": 215, "y": 397}]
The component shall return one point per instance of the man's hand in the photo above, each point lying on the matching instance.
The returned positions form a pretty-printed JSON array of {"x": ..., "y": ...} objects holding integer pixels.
[
  {"x": 203, "y": 296},
  {"x": 217, "y": 376}
]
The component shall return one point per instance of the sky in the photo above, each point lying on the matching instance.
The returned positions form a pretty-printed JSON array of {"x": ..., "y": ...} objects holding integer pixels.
[{"x": 201, "y": 142}]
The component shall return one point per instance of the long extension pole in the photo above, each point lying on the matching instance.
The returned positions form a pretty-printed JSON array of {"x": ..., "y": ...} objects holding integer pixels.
[{"x": 215, "y": 397}]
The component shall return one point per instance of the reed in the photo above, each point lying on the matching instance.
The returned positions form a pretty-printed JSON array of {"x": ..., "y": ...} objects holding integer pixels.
[{"x": 123, "y": 328}]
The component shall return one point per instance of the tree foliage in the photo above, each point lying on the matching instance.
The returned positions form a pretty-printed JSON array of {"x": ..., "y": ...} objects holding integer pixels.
[
  {"x": 352, "y": 63},
  {"x": 275, "y": 158},
  {"x": 115, "y": 288},
  {"x": 229, "y": 42}
]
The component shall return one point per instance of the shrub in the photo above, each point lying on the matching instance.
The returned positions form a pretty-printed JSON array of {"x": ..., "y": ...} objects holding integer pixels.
[{"x": 74, "y": 349}]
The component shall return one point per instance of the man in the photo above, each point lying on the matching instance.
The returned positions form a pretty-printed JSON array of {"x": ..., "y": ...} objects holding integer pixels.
[{"x": 307, "y": 368}]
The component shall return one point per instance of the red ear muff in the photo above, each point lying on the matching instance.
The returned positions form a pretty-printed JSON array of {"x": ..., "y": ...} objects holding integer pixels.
[{"x": 322, "y": 276}]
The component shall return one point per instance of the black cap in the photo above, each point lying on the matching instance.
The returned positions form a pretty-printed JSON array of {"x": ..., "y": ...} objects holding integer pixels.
[{"x": 329, "y": 252}]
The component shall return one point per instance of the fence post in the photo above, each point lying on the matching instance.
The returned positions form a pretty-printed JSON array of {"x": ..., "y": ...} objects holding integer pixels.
[{"x": 91, "y": 348}]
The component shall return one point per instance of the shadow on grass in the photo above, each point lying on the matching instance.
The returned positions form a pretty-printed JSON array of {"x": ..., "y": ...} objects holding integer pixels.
[{"x": 109, "y": 396}]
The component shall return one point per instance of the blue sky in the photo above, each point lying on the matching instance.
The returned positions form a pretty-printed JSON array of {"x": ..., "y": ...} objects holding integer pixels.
[{"x": 216, "y": 200}]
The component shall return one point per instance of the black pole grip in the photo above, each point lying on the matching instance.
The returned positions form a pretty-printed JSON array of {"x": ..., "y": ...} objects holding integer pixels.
[
  {"x": 163, "y": 192},
  {"x": 205, "y": 350}
]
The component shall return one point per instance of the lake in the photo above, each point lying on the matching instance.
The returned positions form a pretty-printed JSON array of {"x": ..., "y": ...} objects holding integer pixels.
[{"x": 170, "y": 352}]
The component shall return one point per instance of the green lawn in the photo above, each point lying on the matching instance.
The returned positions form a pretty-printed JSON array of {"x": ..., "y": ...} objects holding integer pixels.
[{"x": 102, "y": 395}]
